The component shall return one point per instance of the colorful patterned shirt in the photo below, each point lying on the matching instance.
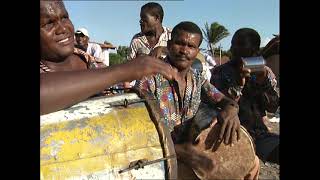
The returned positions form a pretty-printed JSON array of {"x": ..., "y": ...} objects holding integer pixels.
[
  {"x": 139, "y": 43},
  {"x": 173, "y": 109}
]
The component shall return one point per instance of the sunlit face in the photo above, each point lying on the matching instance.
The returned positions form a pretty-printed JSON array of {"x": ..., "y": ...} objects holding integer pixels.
[
  {"x": 56, "y": 31},
  {"x": 148, "y": 22},
  {"x": 183, "y": 49}
]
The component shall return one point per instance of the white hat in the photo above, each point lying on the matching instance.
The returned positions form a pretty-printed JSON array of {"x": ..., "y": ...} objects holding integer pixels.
[{"x": 83, "y": 31}]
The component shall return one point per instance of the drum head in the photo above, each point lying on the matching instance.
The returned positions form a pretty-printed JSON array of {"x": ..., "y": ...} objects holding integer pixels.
[{"x": 231, "y": 162}]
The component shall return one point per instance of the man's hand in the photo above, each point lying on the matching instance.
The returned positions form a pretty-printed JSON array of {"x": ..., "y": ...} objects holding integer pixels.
[
  {"x": 158, "y": 52},
  {"x": 261, "y": 76},
  {"x": 244, "y": 73},
  {"x": 230, "y": 125},
  {"x": 147, "y": 65}
]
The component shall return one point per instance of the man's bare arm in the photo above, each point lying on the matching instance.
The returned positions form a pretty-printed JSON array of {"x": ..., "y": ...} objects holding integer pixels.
[{"x": 59, "y": 90}]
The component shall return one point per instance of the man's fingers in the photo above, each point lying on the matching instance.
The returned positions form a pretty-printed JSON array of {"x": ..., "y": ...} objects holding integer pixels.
[
  {"x": 242, "y": 81},
  {"x": 238, "y": 132},
  {"x": 227, "y": 139},
  {"x": 233, "y": 134},
  {"x": 210, "y": 139},
  {"x": 222, "y": 130}
]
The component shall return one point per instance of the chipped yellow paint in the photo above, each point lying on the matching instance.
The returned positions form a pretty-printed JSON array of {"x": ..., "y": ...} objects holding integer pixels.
[{"x": 102, "y": 143}]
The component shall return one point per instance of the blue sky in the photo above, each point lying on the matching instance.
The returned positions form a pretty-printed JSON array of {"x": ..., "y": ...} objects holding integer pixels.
[{"x": 118, "y": 21}]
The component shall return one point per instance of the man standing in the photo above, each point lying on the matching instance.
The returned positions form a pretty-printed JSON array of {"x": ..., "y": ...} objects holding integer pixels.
[{"x": 153, "y": 37}]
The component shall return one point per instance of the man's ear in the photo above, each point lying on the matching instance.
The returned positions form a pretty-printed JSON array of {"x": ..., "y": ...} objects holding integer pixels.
[{"x": 157, "y": 17}]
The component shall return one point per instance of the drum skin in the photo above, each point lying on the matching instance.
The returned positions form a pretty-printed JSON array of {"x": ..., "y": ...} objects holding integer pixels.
[
  {"x": 230, "y": 162},
  {"x": 96, "y": 138}
]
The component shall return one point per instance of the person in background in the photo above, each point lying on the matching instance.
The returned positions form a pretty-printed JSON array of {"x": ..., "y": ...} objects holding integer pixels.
[
  {"x": 82, "y": 38},
  {"x": 255, "y": 92}
]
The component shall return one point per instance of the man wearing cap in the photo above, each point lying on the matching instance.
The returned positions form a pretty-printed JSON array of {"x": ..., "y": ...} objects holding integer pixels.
[{"x": 82, "y": 38}]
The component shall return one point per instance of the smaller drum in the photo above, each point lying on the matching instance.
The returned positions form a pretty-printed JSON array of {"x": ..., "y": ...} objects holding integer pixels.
[{"x": 230, "y": 162}]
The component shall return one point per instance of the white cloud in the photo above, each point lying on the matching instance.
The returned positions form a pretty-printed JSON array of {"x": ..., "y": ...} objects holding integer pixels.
[{"x": 265, "y": 41}]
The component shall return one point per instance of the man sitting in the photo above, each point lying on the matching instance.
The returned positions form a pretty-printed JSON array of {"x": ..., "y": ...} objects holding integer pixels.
[
  {"x": 255, "y": 92},
  {"x": 179, "y": 100}
]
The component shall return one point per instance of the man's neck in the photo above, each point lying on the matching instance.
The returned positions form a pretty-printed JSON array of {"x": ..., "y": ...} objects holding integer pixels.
[
  {"x": 155, "y": 34},
  {"x": 183, "y": 74},
  {"x": 66, "y": 65}
]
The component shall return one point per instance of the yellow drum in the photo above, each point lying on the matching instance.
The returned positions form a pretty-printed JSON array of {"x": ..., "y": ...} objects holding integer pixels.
[{"x": 101, "y": 137}]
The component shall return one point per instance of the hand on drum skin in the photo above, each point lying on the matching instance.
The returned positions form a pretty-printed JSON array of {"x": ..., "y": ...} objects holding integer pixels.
[
  {"x": 147, "y": 65},
  {"x": 158, "y": 52},
  {"x": 230, "y": 125}
]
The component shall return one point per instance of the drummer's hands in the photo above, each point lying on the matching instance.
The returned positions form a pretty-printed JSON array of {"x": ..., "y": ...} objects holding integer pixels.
[{"x": 230, "y": 125}]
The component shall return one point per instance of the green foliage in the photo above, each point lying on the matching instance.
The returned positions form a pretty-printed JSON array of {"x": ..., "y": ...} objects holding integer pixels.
[
  {"x": 215, "y": 33},
  {"x": 119, "y": 57},
  {"x": 123, "y": 51},
  {"x": 116, "y": 59}
]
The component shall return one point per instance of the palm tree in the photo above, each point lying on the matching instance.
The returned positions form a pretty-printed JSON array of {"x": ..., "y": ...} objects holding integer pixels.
[{"x": 214, "y": 34}]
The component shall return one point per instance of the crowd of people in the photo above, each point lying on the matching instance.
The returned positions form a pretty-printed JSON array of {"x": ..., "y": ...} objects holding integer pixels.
[{"x": 163, "y": 64}]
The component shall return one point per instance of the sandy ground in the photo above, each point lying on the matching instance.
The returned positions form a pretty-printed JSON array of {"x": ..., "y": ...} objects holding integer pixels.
[{"x": 270, "y": 170}]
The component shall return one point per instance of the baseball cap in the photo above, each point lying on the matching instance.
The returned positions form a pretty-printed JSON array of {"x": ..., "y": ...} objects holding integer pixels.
[{"x": 83, "y": 31}]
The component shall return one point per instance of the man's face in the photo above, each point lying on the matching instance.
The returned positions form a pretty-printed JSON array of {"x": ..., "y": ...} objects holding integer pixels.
[
  {"x": 56, "y": 31},
  {"x": 148, "y": 22},
  {"x": 183, "y": 49},
  {"x": 241, "y": 48},
  {"x": 82, "y": 41}
]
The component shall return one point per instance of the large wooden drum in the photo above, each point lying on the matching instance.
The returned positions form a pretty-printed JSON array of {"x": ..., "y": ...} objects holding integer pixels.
[{"x": 98, "y": 138}]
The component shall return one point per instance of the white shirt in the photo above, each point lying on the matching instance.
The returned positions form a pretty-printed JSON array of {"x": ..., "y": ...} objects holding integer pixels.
[
  {"x": 95, "y": 50},
  {"x": 105, "y": 54},
  {"x": 210, "y": 64}
]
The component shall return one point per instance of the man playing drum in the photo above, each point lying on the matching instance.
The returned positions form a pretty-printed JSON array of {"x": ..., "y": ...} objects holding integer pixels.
[{"x": 179, "y": 100}]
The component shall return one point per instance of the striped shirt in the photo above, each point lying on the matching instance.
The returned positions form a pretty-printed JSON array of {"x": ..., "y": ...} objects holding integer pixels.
[{"x": 139, "y": 43}]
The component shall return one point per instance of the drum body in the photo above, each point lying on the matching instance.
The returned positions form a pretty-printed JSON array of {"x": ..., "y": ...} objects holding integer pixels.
[
  {"x": 230, "y": 162},
  {"x": 98, "y": 137}
]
